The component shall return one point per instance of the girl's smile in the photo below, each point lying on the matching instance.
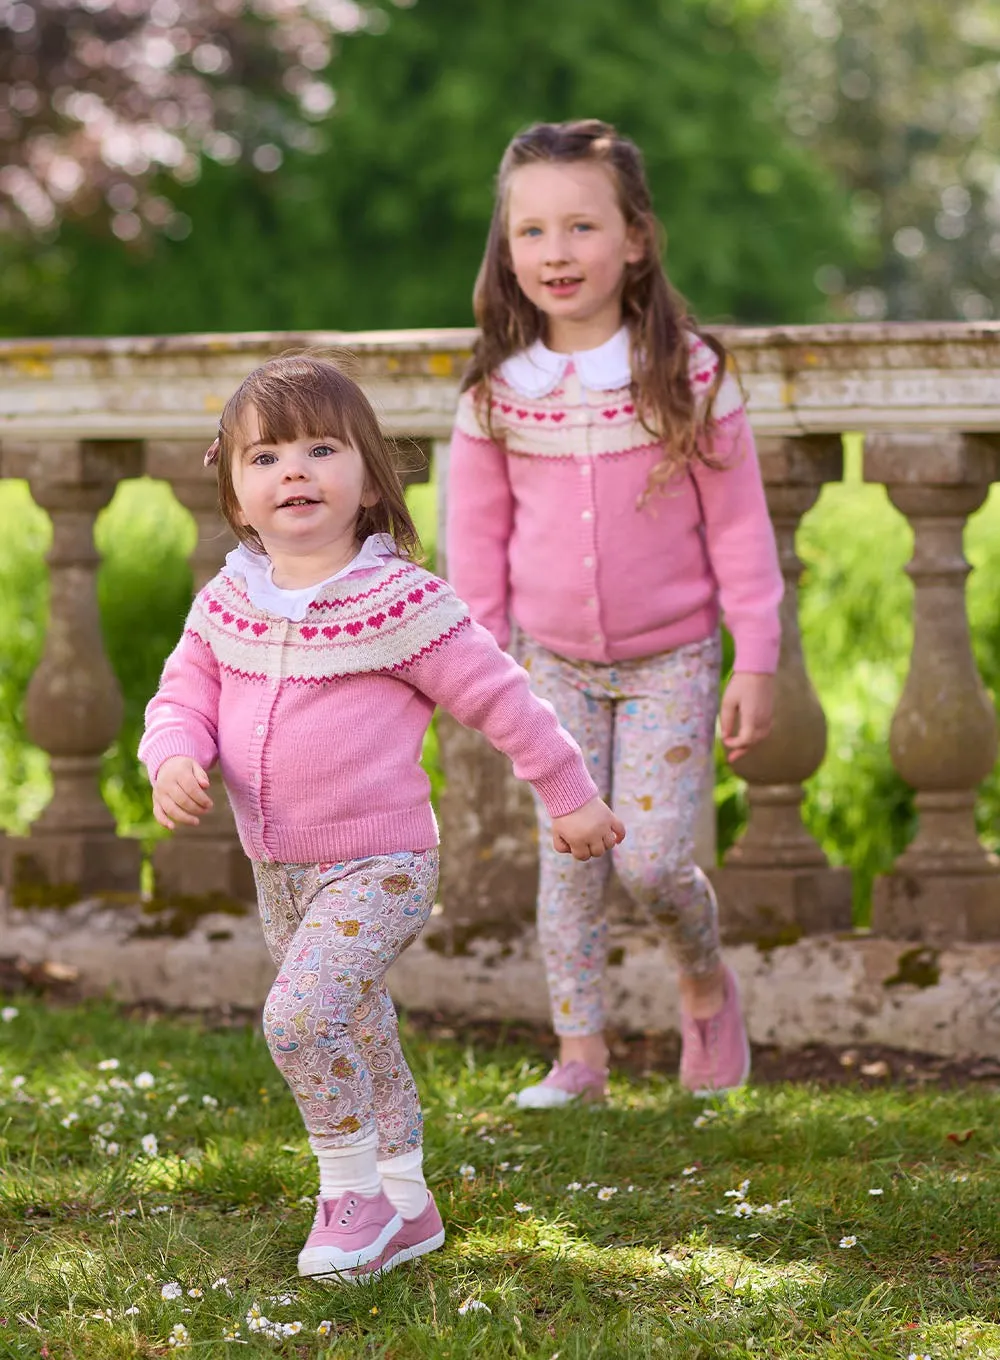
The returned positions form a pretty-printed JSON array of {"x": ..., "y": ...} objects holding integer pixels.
[
  {"x": 303, "y": 496},
  {"x": 569, "y": 248}
]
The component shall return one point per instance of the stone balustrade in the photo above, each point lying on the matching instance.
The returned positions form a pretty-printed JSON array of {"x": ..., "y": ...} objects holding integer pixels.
[{"x": 77, "y": 416}]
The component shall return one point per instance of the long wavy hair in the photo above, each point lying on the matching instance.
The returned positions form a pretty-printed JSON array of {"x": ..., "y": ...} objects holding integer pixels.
[
  {"x": 309, "y": 395},
  {"x": 655, "y": 313}
]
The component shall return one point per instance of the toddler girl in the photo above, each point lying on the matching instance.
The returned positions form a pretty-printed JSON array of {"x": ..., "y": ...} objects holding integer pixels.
[{"x": 309, "y": 668}]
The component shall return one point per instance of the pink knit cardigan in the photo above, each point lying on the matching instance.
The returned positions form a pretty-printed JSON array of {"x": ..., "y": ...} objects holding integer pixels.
[
  {"x": 318, "y": 725},
  {"x": 546, "y": 525}
]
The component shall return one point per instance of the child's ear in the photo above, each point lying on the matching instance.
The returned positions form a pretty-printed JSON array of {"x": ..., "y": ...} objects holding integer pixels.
[
  {"x": 370, "y": 496},
  {"x": 636, "y": 245}
]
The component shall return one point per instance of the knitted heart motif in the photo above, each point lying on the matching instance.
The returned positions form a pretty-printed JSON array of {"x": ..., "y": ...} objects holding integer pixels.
[
  {"x": 432, "y": 586},
  {"x": 309, "y": 632},
  {"x": 629, "y": 410},
  {"x": 396, "y": 610},
  {"x": 214, "y": 606},
  {"x": 415, "y": 596},
  {"x": 610, "y": 415},
  {"x": 376, "y": 620},
  {"x": 227, "y": 617},
  {"x": 242, "y": 624},
  {"x": 558, "y": 415},
  {"x": 539, "y": 415},
  {"x": 354, "y": 628},
  {"x": 523, "y": 415},
  {"x": 260, "y": 629},
  {"x": 506, "y": 407},
  {"x": 331, "y": 632}
]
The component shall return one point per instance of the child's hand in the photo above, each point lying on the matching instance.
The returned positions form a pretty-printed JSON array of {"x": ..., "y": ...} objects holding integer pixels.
[
  {"x": 179, "y": 792},
  {"x": 588, "y": 832},
  {"x": 747, "y": 712}
]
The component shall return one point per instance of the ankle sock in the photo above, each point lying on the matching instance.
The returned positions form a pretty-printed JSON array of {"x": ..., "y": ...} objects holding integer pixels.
[
  {"x": 354, "y": 1167},
  {"x": 404, "y": 1184}
]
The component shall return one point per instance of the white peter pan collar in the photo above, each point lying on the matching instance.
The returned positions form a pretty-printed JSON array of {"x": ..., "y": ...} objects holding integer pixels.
[
  {"x": 538, "y": 370},
  {"x": 258, "y": 572}
]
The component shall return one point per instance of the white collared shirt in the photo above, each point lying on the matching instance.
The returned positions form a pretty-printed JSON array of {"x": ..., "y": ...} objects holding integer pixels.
[
  {"x": 538, "y": 370},
  {"x": 258, "y": 572}
]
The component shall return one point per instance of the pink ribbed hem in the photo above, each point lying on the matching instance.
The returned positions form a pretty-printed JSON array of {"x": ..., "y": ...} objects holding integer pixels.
[
  {"x": 566, "y": 790},
  {"x": 757, "y": 655},
  {"x": 340, "y": 841},
  {"x": 157, "y": 749},
  {"x": 696, "y": 627}
]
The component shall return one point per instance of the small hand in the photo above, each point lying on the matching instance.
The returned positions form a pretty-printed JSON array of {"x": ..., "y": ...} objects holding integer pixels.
[
  {"x": 588, "y": 832},
  {"x": 747, "y": 712},
  {"x": 179, "y": 792}
]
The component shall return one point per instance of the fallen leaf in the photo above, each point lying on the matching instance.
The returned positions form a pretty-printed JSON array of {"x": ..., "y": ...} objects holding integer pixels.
[{"x": 961, "y": 1137}]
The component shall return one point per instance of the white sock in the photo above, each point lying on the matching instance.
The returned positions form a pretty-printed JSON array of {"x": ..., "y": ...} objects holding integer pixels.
[
  {"x": 347, "y": 1168},
  {"x": 404, "y": 1184}
]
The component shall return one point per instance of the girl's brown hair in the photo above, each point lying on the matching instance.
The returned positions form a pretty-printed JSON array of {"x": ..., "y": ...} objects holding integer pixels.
[
  {"x": 301, "y": 396},
  {"x": 656, "y": 315}
]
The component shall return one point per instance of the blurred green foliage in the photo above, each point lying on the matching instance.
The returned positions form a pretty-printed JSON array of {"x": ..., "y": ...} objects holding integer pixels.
[{"x": 385, "y": 225}]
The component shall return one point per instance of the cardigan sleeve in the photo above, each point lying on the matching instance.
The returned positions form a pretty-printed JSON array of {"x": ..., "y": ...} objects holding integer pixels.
[
  {"x": 479, "y": 521},
  {"x": 182, "y": 718},
  {"x": 740, "y": 541},
  {"x": 467, "y": 674}
]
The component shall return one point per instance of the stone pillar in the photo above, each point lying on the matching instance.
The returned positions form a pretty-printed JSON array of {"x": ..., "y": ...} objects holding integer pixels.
[
  {"x": 205, "y": 860},
  {"x": 489, "y": 838},
  {"x": 943, "y": 740},
  {"x": 74, "y": 706},
  {"x": 776, "y": 883}
]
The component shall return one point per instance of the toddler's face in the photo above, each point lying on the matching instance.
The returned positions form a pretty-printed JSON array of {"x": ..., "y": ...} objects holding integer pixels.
[
  {"x": 569, "y": 245},
  {"x": 300, "y": 496}
]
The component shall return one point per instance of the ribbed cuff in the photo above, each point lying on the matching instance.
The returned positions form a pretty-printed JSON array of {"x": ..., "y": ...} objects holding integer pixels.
[
  {"x": 757, "y": 655},
  {"x": 567, "y": 789}
]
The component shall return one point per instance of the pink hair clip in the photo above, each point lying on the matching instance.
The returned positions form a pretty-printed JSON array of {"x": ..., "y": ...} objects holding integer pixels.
[{"x": 212, "y": 452}]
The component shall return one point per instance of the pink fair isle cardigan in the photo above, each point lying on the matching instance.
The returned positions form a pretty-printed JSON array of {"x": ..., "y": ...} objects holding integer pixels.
[
  {"x": 318, "y": 725},
  {"x": 545, "y": 527}
]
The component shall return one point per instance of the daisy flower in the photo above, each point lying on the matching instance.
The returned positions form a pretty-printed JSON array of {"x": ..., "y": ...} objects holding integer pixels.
[
  {"x": 848, "y": 1242},
  {"x": 324, "y": 1328},
  {"x": 606, "y": 1191},
  {"x": 467, "y": 1171},
  {"x": 149, "y": 1145},
  {"x": 574, "y": 1185},
  {"x": 108, "y": 1065},
  {"x": 876, "y": 1190},
  {"x": 8, "y": 1014},
  {"x": 520, "y": 1208},
  {"x": 171, "y": 1291},
  {"x": 178, "y": 1335},
  {"x": 473, "y": 1306}
]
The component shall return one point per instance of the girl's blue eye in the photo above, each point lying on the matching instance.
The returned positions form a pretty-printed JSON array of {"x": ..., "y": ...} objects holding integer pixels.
[
  {"x": 532, "y": 231},
  {"x": 321, "y": 451},
  {"x": 263, "y": 459},
  {"x": 583, "y": 226}
]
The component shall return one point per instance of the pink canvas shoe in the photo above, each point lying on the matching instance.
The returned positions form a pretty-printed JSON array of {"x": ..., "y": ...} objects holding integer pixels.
[
  {"x": 715, "y": 1053},
  {"x": 348, "y": 1232},
  {"x": 415, "y": 1238},
  {"x": 574, "y": 1082}
]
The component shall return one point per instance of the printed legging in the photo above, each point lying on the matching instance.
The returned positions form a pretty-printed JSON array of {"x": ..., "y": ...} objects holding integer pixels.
[
  {"x": 333, "y": 931},
  {"x": 647, "y": 731}
]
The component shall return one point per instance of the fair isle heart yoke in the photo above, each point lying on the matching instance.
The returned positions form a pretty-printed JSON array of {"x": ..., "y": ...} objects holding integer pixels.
[
  {"x": 380, "y": 621},
  {"x": 573, "y": 421}
]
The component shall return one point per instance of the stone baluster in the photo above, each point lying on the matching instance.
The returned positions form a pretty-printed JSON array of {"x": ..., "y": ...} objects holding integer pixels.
[
  {"x": 489, "y": 841},
  {"x": 73, "y": 708},
  {"x": 776, "y": 882},
  {"x": 943, "y": 739},
  {"x": 204, "y": 860}
]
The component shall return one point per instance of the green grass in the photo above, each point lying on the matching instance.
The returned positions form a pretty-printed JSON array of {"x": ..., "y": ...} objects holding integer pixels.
[{"x": 664, "y": 1266}]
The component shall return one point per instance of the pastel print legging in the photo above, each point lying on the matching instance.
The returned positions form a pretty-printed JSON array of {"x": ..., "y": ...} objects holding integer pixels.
[
  {"x": 333, "y": 931},
  {"x": 647, "y": 731}
]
